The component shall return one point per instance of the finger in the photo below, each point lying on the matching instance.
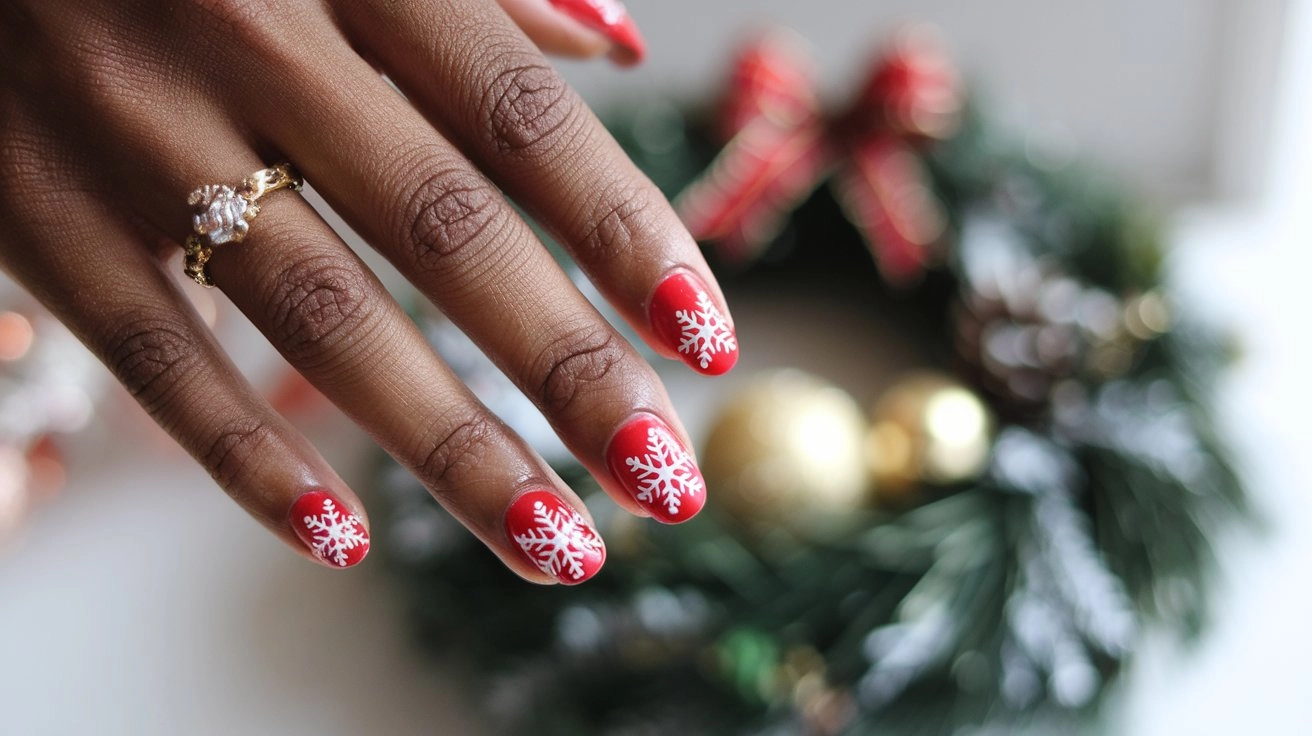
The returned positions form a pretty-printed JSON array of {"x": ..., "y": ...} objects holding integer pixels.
[
  {"x": 560, "y": 26},
  {"x": 84, "y": 265},
  {"x": 451, "y": 233},
  {"x": 555, "y": 32},
  {"x": 518, "y": 120}
]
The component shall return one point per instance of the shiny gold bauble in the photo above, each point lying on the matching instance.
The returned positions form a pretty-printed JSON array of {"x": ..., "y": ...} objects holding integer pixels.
[
  {"x": 788, "y": 450},
  {"x": 927, "y": 429}
]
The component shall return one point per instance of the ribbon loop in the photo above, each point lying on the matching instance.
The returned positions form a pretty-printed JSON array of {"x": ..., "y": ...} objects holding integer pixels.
[{"x": 782, "y": 146}]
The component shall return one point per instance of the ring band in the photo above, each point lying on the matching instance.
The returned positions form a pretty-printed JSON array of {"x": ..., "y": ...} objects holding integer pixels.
[{"x": 223, "y": 215}]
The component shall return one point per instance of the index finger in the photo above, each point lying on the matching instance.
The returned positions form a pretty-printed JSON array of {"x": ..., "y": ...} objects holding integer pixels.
[{"x": 518, "y": 120}]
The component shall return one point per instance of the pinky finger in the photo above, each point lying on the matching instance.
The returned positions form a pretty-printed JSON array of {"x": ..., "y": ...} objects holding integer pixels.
[
  {"x": 579, "y": 28},
  {"x": 117, "y": 299}
]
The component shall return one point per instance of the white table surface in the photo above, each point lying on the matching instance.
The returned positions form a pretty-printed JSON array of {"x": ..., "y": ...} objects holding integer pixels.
[{"x": 142, "y": 601}]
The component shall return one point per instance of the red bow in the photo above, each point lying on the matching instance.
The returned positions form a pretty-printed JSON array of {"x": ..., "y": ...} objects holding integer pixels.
[{"x": 781, "y": 146}]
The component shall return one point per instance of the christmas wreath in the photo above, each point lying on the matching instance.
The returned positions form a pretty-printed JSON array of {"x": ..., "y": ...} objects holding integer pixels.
[{"x": 985, "y": 549}]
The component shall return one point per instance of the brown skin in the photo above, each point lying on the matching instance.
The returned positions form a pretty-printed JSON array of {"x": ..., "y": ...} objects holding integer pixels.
[{"x": 111, "y": 111}]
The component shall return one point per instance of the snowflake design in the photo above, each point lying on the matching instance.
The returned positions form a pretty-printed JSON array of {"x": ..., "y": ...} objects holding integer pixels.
[
  {"x": 559, "y": 541},
  {"x": 665, "y": 473},
  {"x": 334, "y": 533},
  {"x": 704, "y": 332}
]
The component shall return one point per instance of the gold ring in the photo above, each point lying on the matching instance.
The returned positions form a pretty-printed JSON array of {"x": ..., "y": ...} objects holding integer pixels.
[{"x": 223, "y": 215}]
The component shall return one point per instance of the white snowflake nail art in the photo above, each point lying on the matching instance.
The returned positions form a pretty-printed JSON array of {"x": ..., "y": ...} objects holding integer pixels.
[
  {"x": 334, "y": 533},
  {"x": 558, "y": 541},
  {"x": 704, "y": 333},
  {"x": 665, "y": 472}
]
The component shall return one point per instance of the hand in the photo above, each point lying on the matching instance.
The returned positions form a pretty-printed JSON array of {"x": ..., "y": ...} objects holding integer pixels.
[{"x": 113, "y": 111}]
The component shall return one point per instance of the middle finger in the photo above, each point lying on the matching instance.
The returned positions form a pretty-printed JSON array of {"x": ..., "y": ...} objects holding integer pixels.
[{"x": 518, "y": 119}]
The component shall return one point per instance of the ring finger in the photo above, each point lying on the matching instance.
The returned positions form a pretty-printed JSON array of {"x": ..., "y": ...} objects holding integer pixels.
[{"x": 81, "y": 260}]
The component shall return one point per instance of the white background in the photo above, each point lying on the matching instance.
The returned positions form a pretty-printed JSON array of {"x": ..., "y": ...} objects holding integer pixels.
[{"x": 142, "y": 601}]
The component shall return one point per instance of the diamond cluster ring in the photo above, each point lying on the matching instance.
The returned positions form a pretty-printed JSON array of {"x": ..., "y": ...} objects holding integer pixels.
[{"x": 223, "y": 215}]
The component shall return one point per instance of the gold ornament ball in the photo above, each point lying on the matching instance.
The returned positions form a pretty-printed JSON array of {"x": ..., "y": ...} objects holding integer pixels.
[
  {"x": 927, "y": 429},
  {"x": 789, "y": 450}
]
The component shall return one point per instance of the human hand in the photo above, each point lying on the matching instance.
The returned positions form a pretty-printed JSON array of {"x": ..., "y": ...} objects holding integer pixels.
[{"x": 115, "y": 110}]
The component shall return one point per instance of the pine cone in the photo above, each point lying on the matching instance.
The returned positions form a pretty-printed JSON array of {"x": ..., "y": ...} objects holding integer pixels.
[{"x": 1022, "y": 331}]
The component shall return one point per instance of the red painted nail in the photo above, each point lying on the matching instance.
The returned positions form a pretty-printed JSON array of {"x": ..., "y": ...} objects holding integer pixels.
[
  {"x": 684, "y": 318},
  {"x": 612, "y": 20},
  {"x": 334, "y": 534},
  {"x": 555, "y": 537},
  {"x": 651, "y": 464}
]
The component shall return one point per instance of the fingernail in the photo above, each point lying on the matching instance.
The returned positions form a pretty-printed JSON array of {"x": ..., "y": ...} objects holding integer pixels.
[
  {"x": 555, "y": 537},
  {"x": 685, "y": 319},
  {"x": 611, "y": 19},
  {"x": 325, "y": 525},
  {"x": 653, "y": 466}
]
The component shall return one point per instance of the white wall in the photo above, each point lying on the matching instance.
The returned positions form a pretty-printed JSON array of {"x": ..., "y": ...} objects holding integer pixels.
[{"x": 1172, "y": 94}]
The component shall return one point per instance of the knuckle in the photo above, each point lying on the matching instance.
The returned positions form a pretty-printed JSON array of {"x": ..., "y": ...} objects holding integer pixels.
[
  {"x": 237, "y": 20},
  {"x": 153, "y": 359},
  {"x": 107, "y": 77},
  {"x": 32, "y": 170},
  {"x": 528, "y": 109},
  {"x": 448, "y": 217},
  {"x": 253, "y": 34},
  {"x": 617, "y": 225},
  {"x": 319, "y": 306},
  {"x": 236, "y": 450},
  {"x": 461, "y": 450},
  {"x": 22, "y": 165},
  {"x": 576, "y": 364}
]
